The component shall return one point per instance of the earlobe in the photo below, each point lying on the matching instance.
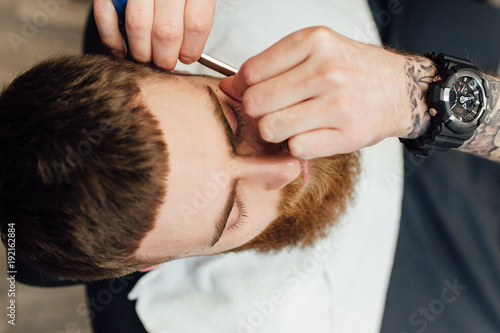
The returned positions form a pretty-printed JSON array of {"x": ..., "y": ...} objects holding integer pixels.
[
  {"x": 150, "y": 268},
  {"x": 226, "y": 85}
]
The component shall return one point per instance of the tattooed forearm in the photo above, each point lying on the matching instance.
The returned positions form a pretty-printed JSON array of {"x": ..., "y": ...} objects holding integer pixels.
[
  {"x": 485, "y": 141},
  {"x": 420, "y": 72}
]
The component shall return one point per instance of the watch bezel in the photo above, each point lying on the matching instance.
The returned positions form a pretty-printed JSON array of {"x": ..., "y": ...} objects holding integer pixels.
[{"x": 449, "y": 118}]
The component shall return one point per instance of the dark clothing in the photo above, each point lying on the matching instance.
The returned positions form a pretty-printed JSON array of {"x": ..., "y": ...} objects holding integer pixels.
[{"x": 446, "y": 274}]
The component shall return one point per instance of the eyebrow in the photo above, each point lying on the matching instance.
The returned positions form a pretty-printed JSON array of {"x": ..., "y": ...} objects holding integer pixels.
[
  {"x": 224, "y": 216},
  {"x": 219, "y": 114},
  {"x": 222, "y": 222}
]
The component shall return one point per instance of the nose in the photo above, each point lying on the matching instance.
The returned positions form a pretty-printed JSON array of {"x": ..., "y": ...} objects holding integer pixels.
[{"x": 272, "y": 171}]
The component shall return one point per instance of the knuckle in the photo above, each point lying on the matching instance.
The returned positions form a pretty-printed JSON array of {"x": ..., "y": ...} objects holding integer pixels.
[
  {"x": 345, "y": 105},
  {"x": 167, "y": 32},
  {"x": 275, "y": 127},
  {"x": 321, "y": 34},
  {"x": 252, "y": 101},
  {"x": 135, "y": 25},
  {"x": 138, "y": 21},
  {"x": 199, "y": 25},
  {"x": 250, "y": 73},
  {"x": 333, "y": 75}
]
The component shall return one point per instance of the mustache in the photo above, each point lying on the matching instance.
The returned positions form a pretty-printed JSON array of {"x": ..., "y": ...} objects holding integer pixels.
[
  {"x": 332, "y": 176},
  {"x": 308, "y": 213}
]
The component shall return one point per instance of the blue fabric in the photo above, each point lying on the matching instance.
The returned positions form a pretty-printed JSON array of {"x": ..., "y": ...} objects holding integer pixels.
[{"x": 120, "y": 6}]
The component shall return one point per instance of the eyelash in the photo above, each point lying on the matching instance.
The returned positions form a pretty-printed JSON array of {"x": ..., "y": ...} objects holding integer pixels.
[
  {"x": 240, "y": 124},
  {"x": 240, "y": 117},
  {"x": 242, "y": 217}
]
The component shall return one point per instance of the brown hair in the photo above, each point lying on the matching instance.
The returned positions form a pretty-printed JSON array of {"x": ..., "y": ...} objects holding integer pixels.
[{"x": 83, "y": 166}]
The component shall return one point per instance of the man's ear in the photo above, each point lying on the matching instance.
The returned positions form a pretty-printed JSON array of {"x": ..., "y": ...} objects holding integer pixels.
[{"x": 149, "y": 268}]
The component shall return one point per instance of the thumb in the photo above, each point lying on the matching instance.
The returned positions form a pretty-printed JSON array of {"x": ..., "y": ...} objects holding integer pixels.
[{"x": 226, "y": 85}]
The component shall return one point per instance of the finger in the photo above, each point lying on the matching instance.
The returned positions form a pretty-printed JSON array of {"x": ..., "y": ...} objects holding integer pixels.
[
  {"x": 168, "y": 32},
  {"x": 280, "y": 57},
  {"x": 300, "y": 118},
  {"x": 226, "y": 85},
  {"x": 282, "y": 91},
  {"x": 106, "y": 20},
  {"x": 321, "y": 143},
  {"x": 198, "y": 21},
  {"x": 139, "y": 23}
]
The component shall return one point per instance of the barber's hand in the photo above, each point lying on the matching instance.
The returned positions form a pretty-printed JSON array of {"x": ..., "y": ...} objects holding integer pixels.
[
  {"x": 159, "y": 31},
  {"x": 329, "y": 94}
]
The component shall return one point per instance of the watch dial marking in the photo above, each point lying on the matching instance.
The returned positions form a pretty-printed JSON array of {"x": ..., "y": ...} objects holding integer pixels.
[{"x": 465, "y": 99}]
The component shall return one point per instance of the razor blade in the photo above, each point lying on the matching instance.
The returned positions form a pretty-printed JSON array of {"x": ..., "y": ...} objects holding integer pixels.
[{"x": 205, "y": 59}]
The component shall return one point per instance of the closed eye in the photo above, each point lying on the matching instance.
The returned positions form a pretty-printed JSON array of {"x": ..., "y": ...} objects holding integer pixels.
[
  {"x": 242, "y": 216},
  {"x": 241, "y": 117}
]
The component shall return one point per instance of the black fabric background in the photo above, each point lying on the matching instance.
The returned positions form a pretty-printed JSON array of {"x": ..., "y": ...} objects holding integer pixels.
[{"x": 450, "y": 225}]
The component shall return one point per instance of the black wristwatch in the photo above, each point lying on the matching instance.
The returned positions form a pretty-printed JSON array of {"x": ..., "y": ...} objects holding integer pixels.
[{"x": 456, "y": 99}]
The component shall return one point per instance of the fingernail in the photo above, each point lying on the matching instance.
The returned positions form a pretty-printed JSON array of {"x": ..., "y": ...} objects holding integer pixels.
[{"x": 186, "y": 60}]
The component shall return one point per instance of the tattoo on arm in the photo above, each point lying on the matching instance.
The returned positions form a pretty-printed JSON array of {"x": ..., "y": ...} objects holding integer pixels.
[
  {"x": 485, "y": 141},
  {"x": 420, "y": 72}
]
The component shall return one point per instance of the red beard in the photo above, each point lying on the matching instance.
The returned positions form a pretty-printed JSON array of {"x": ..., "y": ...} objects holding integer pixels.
[{"x": 307, "y": 214}]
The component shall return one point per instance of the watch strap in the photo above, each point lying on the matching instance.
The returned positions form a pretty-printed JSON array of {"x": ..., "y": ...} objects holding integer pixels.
[
  {"x": 445, "y": 62},
  {"x": 438, "y": 136}
]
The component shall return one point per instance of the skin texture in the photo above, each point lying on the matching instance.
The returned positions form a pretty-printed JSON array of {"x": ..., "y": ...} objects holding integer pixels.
[
  {"x": 486, "y": 139},
  {"x": 158, "y": 31},
  {"x": 277, "y": 210},
  {"x": 419, "y": 74}
]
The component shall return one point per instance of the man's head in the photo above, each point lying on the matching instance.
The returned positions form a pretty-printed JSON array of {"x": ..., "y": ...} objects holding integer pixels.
[{"x": 108, "y": 167}]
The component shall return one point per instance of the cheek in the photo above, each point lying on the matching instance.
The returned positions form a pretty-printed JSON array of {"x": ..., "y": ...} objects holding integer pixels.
[{"x": 263, "y": 209}]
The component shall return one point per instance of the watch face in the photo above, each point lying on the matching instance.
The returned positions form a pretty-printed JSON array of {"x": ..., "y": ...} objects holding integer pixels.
[{"x": 466, "y": 99}]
